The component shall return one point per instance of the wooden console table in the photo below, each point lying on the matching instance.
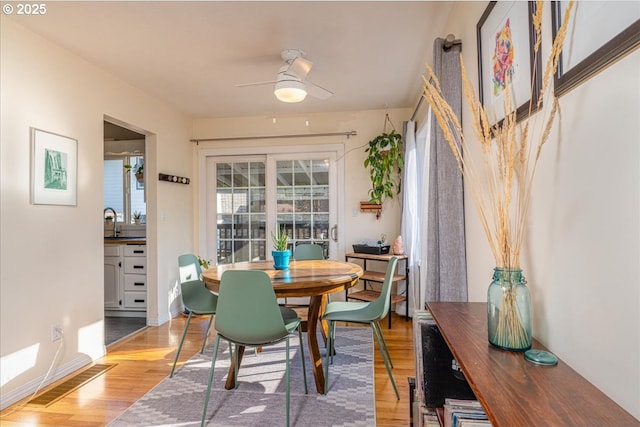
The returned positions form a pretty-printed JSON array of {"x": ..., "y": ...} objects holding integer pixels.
[
  {"x": 378, "y": 277},
  {"x": 513, "y": 391}
]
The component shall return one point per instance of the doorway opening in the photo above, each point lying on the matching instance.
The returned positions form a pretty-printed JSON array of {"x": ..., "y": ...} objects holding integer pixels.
[{"x": 124, "y": 220}]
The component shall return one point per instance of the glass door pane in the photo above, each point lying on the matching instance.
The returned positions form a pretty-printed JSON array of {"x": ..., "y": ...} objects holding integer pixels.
[
  {"x": 240, "y": 211},
  {"x": 302, "y": 198}
]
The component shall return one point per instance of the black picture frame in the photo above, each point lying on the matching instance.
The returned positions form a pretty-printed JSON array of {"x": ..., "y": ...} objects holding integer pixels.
[
  {"x": 567, "y": 78},
  {"x": 532, "y": 83}
]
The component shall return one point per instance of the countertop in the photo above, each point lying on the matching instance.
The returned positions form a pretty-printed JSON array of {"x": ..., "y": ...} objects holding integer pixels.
[{"x": 125, "y": 240}]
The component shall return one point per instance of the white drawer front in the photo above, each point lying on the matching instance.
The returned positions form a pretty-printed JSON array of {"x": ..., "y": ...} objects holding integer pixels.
[
  {"x": 135, "y": 265},
  {"x": 111, "y": 250},
  {"x": 135, "y": 282},
  {"x": 135, "y": 250},
  {"x": 135, "y": 300}
]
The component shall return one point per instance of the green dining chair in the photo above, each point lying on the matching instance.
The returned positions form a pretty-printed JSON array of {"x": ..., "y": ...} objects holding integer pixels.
[
  {"x": 308, "y": 251},
  {"x": 362, "y": 312},
  {"x": 196, "y": 298},
  {"x": 248, "y": 315}
]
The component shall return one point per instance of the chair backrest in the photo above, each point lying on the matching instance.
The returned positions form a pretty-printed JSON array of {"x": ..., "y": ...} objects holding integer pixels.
[
  {"x": 248, "y": 311},
  {"x": 197, "y": 298},
  {"x": 195, "y": 295},
  {"x": 189, "y": 268},
  {"x": 308, "y": 251},
  {"x": 381, "y": 305}
]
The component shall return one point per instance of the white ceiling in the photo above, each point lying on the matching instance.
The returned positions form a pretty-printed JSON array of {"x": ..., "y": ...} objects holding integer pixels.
[{"x": 191, "y": 54}]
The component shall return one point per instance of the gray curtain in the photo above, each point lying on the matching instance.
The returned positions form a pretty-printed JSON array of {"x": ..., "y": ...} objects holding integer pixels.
[{"x": 446, "y": 259}]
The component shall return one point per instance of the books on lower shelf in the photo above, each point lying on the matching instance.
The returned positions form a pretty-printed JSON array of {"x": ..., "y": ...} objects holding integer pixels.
[
  {"x": 464, "y": 413},
  {"x": 428, "y": 417}
]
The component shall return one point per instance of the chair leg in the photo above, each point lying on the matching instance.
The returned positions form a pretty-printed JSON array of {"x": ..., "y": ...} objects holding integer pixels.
[
  {"x": 206, "y": 334},
  {"x": 213, "y": 365},
  {"x": 384, "y": 342},
  {"x": 235, "y": 371},
  {"x": 287, "y": 379},
  {"x": 333, "y": 342},
  {"x": 304, "y": 369},
  {"x": 327, "y": 355},
  {"x": 384, "y": 358},
  {"x": 184, "y": 334}
]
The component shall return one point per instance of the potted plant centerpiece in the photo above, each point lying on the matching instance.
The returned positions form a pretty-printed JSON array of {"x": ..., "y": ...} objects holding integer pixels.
[
  {"x": 136, "y": 217},
  {"x": 280, "y": 253},
  {"x": 385, "y": 161}
]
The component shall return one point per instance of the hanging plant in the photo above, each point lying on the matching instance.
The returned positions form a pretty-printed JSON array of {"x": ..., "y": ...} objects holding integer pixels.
[
  {"x": 138, "y": 169},
  {"x": 384, "y": 160}
]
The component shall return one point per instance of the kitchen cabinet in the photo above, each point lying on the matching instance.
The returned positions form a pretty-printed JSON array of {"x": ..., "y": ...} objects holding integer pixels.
[
  {"x": 125, "y": 278},
  {"x": 135, "y": 277},
  {"x": 112, "y": 273}
]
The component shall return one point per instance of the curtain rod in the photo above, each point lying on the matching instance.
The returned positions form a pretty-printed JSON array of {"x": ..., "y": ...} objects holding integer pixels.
[
  {"x": 302, "y": 135},
  {"x": 413, "y": 116}
]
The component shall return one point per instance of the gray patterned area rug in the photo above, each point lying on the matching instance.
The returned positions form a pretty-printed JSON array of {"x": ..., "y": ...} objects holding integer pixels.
[{"x": 259, "y": 399}]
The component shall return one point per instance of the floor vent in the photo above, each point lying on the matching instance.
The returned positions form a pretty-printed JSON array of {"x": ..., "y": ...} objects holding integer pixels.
[{"x": 62, "y": 389}]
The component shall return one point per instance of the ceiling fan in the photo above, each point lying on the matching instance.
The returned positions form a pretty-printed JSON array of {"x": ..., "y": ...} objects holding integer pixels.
[{"x": 291, "y": 84}]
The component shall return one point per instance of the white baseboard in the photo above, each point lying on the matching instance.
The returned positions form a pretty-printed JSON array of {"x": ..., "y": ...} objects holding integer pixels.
[
  {"x": 161, "y": 319},
  {"x": 25, "y": 390}
]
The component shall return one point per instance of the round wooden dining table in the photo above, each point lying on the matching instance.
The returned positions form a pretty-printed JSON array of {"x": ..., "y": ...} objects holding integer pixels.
[{"x": 304, "y": 278}]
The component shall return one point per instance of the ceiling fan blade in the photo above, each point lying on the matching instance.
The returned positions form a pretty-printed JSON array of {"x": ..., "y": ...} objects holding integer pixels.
[
  {"x": 300, "y": 67},
  {"x": 270, "y": 82},
  {"x": 317, "y": 91}
]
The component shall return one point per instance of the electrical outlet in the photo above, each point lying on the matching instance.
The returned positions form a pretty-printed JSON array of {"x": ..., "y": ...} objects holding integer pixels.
[{"x": 56, "y": 332}]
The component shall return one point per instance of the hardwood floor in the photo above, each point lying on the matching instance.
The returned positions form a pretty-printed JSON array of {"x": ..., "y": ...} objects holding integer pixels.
[{"x": 143, "y": 360}]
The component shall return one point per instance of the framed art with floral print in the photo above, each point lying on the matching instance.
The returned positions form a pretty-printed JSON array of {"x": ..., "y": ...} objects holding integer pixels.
[
  {"x": 586, "y": 52},
  {"x": 54, "y": 169},
  {"x": 505, "y": 58}
]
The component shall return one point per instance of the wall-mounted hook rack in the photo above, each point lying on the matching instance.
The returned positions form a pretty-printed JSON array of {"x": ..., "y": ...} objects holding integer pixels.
[{"x": 173, "y": 178}]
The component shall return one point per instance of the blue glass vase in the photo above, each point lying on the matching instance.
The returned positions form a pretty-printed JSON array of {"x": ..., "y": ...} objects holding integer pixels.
[{"x": 509, "y": 310}]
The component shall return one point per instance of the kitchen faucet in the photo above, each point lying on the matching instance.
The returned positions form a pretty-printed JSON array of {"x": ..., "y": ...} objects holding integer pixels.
[{"x": 115, "y": 220}]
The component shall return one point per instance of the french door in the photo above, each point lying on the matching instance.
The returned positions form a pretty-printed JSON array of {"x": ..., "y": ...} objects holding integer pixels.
[{"x": 249, "y": 196}]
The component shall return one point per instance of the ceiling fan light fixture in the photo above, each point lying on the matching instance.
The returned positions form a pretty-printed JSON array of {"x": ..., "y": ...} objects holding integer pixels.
[{"x": 290, "y": 91}]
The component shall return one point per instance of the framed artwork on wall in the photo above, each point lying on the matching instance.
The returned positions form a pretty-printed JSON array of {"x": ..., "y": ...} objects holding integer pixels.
[
  {"x": 54, "y": 169},
  {"x": 586, "y": 52},
  {"x": 505, "y": 58}
]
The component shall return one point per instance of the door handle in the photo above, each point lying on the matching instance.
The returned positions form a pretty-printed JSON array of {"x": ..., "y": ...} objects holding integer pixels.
[{"x": 334, "y": 233}]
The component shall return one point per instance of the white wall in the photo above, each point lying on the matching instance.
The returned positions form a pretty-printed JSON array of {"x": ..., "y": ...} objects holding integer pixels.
[
  {"x": 51, "y": 257},
  {"x": 368, "y": 124},
  {"x": 582, "y": 249}
]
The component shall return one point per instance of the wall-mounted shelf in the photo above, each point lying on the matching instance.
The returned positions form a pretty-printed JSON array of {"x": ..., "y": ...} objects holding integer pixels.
[{"x": 370, "y": 207}]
